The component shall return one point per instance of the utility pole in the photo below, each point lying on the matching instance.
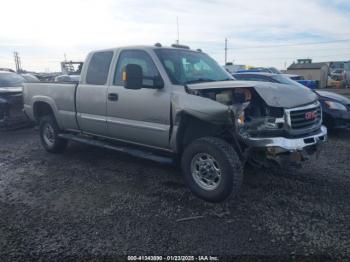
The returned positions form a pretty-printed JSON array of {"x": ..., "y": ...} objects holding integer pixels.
[
  {"x": 225, "y": 51},
  {"x": 17, "y": 62},
  {"x": 178, "y": 33}
]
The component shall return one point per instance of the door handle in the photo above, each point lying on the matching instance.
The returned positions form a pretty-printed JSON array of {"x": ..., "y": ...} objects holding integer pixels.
[{"x": 113, "y": 97}]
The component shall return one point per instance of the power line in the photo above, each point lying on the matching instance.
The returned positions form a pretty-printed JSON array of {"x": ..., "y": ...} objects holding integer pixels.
[
  {"x": 281, "y": 58},
  {"x": 296, "y": 44},
  {"x": 285, "y": 45},
  {"x": 293, "y": 50}
]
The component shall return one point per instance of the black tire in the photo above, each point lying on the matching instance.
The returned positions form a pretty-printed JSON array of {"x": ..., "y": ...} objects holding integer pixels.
[
  {"x": 53, "y": 143},
  {"x": 227, "y": 161}
]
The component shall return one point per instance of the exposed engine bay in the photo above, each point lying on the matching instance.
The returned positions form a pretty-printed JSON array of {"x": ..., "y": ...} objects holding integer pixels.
[{"x": 253, "y": 116}]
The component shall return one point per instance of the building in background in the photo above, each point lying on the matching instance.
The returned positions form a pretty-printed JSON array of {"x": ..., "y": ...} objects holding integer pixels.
[{"x": 310, "y": 71}]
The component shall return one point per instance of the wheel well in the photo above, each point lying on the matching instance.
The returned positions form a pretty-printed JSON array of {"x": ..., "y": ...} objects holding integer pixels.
[
  {"x": 41, "y": 109},
  {"x": 192, "y": 128}
]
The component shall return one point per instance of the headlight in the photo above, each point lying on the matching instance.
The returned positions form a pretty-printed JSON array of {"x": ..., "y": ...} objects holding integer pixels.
[{"x": 335, "y": 106}]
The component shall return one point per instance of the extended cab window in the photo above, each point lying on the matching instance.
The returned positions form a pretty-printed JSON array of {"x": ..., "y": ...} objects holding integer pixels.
[
  {"x": 137, "y": 57},
  {"x": 97, "y": 72}
]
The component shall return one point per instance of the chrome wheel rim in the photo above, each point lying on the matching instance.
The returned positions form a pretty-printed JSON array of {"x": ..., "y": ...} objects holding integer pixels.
[
  {"x": 49, "y": 135},
  {"x": 206, "y": 171}
]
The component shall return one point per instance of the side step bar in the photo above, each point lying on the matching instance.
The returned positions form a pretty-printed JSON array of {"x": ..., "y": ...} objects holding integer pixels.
[{"x": 119, "y": 148}]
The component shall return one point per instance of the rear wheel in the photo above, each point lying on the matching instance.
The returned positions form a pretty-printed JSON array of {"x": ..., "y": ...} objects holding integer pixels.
[
  {"x": 49, "y": 138},
  {"x": 212, "y": 169}
]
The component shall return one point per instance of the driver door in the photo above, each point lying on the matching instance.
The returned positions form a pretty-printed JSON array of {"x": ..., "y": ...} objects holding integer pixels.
[{"x": 140, "y": 116}]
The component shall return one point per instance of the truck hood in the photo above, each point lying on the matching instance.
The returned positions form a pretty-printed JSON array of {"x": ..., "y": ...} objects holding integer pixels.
[{"x": 275, "y": 95}]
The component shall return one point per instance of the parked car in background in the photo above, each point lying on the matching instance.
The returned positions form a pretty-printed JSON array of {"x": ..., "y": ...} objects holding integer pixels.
[
  {"x": 334, "y": 83},
  {"x": 11, "y": 102},
  {"x": 335, "y": 107},
  {"x": 254, "y": 70},
  {"x": 347, "y": 71},
  {"x": 312, "y": 84},
  {"x": 67, "y": 78},
  {"x": 338, "y": 74},
  {"x": 274, "y": 70},
  {"x": 266, "y": 77},
  {"x": 270, "y": 77},
  {"x": 30, "y": 78}
]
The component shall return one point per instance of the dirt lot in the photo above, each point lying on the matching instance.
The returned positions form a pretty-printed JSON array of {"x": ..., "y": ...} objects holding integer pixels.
[{"x": 93, "y": 202}]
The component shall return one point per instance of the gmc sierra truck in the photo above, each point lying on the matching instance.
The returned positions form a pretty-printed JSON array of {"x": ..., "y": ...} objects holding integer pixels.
[{"x": 177, "y": 104}]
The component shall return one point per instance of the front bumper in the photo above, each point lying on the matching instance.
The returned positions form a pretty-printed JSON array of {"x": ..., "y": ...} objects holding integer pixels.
[
  {"x": 289, "y": 144},
  {"x": 11, "y": 111}
]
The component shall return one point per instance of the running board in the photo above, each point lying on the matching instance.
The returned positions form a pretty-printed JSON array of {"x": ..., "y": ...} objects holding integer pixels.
[{"x": 123, "y": 149}]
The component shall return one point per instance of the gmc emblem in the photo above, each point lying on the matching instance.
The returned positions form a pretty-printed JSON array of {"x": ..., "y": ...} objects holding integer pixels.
[{"x": 310, "y": 115}]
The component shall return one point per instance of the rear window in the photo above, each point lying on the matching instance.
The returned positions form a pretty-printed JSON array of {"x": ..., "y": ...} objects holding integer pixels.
[
  {"x": 10, "y": 80},
  {"x": 98, "y": 69}
]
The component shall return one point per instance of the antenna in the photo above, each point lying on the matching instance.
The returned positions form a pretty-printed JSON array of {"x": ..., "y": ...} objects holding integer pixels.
[
  {"x": 225, "y": 51},
  {"x": 17, "y": 62},
  {"x": 178, "y": 33}
]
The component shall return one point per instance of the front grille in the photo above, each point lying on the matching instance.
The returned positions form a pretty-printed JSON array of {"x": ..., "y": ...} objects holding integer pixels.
[{"x": 305, "y": 117}]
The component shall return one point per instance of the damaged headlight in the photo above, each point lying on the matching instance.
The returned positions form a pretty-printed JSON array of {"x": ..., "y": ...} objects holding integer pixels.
[
  {"x": 335, "y": 106},
  {"x": 273, "y": 123},
  {"x": 260, "y": 123}
]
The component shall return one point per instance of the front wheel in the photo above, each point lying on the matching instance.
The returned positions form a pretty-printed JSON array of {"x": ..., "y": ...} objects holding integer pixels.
[
  {"x": 212, "y": 169},
  {"x": 49, "y": 138}
]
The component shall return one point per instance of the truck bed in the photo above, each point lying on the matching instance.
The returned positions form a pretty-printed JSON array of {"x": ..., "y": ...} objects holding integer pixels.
[{"x": 60, "y": 96}]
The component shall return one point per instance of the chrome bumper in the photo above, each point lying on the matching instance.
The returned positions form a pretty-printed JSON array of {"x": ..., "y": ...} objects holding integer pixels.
[{"x": 290, "y": 144}]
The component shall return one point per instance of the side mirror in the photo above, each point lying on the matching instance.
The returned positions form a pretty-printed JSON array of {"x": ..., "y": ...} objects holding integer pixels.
[
  {"x": 133, "y": 76},
  {"x": 158, "y": 83}
]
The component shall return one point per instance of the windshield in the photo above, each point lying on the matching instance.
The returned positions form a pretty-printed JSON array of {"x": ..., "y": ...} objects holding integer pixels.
[
  {"x": 10, "y": 80},
  {"x": 186, "y": 67},
  {"x": 285, "y": 80}
]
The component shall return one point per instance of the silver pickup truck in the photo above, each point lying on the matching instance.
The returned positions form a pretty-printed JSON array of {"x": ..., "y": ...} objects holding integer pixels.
[{"x": 173, "y": 103}]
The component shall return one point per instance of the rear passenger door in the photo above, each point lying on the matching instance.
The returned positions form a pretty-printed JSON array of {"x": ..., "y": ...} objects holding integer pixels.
[
  {"x": 92, "y": 94},
  {"x": 141, "y": 116}
]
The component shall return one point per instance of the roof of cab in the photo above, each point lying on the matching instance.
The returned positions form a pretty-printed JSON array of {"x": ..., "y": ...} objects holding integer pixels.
[{"x": 144, "y": 47}]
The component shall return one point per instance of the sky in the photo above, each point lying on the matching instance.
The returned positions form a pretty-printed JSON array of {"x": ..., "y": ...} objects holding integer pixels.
[{"x": 259, "y": 33}]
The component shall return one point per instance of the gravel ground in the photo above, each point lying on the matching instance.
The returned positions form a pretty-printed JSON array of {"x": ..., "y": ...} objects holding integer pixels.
[{"x": 91, "y": 202}]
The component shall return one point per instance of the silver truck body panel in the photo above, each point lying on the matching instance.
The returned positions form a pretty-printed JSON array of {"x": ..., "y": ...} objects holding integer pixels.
[
  {"x": 92, "y": 108},
  {"x": 200, "y": 107},
  {"x": 141, "y": 116},
  {"x": 61, "y": 98}
]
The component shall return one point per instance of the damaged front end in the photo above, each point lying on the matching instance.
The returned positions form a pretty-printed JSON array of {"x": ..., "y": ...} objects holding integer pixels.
[{"x": 267, "y": 120}]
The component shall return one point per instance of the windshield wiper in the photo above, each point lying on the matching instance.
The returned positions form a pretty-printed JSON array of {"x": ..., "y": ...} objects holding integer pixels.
[
  {"x": 226, "y": 79},
  {"x": 200, "y": 80}
]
